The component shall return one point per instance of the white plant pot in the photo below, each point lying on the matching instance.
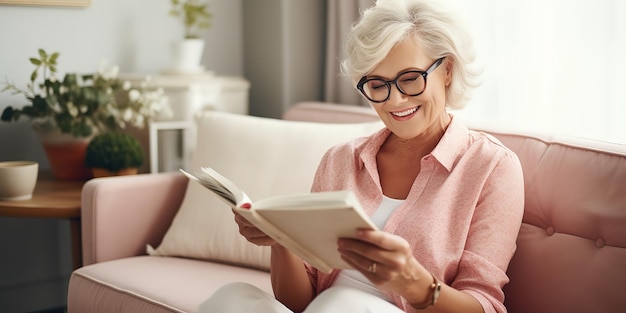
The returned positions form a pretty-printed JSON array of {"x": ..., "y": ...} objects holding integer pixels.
[{"x": 187, "y": 55}]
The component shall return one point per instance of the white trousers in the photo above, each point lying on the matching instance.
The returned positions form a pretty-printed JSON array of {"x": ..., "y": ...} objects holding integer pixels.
[{"x": 246, "y": 298}]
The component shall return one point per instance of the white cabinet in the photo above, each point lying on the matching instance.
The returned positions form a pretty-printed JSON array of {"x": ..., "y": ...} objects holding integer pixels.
[{"x": 172, "y": 140}]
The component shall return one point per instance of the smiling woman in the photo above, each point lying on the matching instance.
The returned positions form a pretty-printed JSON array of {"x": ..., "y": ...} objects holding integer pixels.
[{"x": 70, "y": 3}]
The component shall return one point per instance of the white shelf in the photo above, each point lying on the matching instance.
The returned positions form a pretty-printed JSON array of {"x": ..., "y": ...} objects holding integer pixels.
[
  {"x": 155, "y": 127},
  {"x": 188, "y": 94}
]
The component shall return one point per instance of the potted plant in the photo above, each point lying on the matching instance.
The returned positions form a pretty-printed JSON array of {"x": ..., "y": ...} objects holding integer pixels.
[
  {"x": 114, "y": 153},
  {"x": 195, "y": 16},
  {"x": 67, "y": 112}
]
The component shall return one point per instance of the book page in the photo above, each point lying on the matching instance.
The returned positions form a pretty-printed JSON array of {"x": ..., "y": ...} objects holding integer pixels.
[
  {"x": 316, "y": 221},
  {"x": 308, "y": 200},
  {"x": 220, "y": 185},
  {"x": 286, "y": 241},
  {"x": 318, "y": 230},
  {"x": 238, "y": 194}
]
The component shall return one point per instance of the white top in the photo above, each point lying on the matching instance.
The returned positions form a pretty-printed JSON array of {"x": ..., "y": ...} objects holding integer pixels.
[{"x": 353, "y": 278}]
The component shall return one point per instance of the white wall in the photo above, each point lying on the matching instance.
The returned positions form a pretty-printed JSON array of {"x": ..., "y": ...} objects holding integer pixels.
[{"x": 35, "y": 257}]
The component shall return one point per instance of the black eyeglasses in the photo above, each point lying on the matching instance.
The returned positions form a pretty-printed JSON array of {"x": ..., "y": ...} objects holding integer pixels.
[{"x": 411, "y": 83}]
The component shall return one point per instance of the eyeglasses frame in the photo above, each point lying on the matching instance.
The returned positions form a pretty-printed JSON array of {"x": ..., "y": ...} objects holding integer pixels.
[{"x": 424, "y": 74}]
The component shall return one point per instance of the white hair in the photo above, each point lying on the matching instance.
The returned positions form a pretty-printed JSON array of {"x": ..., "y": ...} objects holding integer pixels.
[{"x": 439, "y": 33}]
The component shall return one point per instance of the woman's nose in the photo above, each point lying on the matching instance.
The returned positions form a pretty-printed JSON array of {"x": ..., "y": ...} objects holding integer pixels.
[{"x": 395, "y": 95}]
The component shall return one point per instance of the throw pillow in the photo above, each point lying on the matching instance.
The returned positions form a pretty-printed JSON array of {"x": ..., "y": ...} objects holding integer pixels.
[{"x": 264, "y": 157}]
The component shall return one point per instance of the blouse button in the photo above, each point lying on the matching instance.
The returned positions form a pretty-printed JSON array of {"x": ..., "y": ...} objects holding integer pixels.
[{"x": 550, "y": 231}]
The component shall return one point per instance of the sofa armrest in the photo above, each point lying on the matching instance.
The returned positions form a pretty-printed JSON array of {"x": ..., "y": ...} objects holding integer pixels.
[{"x": 120, "y": 215}]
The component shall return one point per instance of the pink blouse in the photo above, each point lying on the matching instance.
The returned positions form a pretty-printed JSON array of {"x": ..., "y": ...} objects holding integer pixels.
[{"x": 462, "y": 215}]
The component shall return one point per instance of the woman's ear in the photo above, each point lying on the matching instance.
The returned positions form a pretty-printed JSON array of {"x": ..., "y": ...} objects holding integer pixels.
[{"x": 448, "y": 67}]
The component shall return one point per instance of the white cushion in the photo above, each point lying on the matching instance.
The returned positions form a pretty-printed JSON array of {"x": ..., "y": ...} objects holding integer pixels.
[{"x": 264, "y": 157}]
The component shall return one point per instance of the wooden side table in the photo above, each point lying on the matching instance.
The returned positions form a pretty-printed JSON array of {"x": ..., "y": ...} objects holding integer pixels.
[{"x": 52, "y": 199}]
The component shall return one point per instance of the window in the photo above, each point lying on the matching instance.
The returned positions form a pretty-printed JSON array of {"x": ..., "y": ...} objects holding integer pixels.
[{"x": 550, "y": 65}]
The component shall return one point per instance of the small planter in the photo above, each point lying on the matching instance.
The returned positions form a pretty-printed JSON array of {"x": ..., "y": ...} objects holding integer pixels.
[
  {"x": 65, "y": 154},
  {"x": 101, "y": 172},
  {"x": 195, "y": 16},
  {"x": 187, "y": 56},
  {"x": 115, "y": 153}
]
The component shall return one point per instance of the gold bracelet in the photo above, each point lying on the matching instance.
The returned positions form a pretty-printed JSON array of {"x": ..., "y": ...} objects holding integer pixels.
[{"x": 433, "y": 294}]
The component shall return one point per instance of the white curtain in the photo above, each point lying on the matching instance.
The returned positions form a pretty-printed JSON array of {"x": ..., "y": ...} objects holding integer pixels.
[{"x": 550, "y": 65}]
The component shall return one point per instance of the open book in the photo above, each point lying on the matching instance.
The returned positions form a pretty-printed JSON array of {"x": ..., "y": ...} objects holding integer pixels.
[{"x": 306, "y": 224}]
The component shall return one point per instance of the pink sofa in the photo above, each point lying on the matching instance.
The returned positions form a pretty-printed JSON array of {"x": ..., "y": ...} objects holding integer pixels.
[{"x": 571, "y": 254}]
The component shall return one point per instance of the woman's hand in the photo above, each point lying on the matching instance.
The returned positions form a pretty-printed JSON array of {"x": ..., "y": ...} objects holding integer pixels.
[
  {"x": 388, "y": 262},
  {"x": 251, "y": 233},
  {"x": 290, "y": 281}
]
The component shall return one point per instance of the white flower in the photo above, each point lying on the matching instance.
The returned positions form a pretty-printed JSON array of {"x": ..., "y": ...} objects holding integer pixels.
[
  {"x": 71, "y": 108},
  {"x": 139, "y": 121},
  {"x": 127, "y": 115},
  {"x": 134, "y": 95},
  {"x": 54, "y": 105},
  {"x": 108, "y": 72},
  {"x": 130, "y": 105}
]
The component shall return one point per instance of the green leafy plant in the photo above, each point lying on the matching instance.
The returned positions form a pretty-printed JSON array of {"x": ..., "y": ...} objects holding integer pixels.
[
  {"x": 83, "y": 105},
  {"x": 114, "y": 151},
  {"x": 194, "y": 14}
]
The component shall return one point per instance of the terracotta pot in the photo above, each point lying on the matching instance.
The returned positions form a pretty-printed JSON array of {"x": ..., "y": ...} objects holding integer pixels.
[
  {"x": 100, "y": 172},
  {"x": 65, "y": 153},
  {"x": 67, "y": 159}
]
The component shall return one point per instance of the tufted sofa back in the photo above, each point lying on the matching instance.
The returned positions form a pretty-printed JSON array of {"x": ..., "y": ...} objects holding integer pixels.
[{"x": 571, "y": 250}]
